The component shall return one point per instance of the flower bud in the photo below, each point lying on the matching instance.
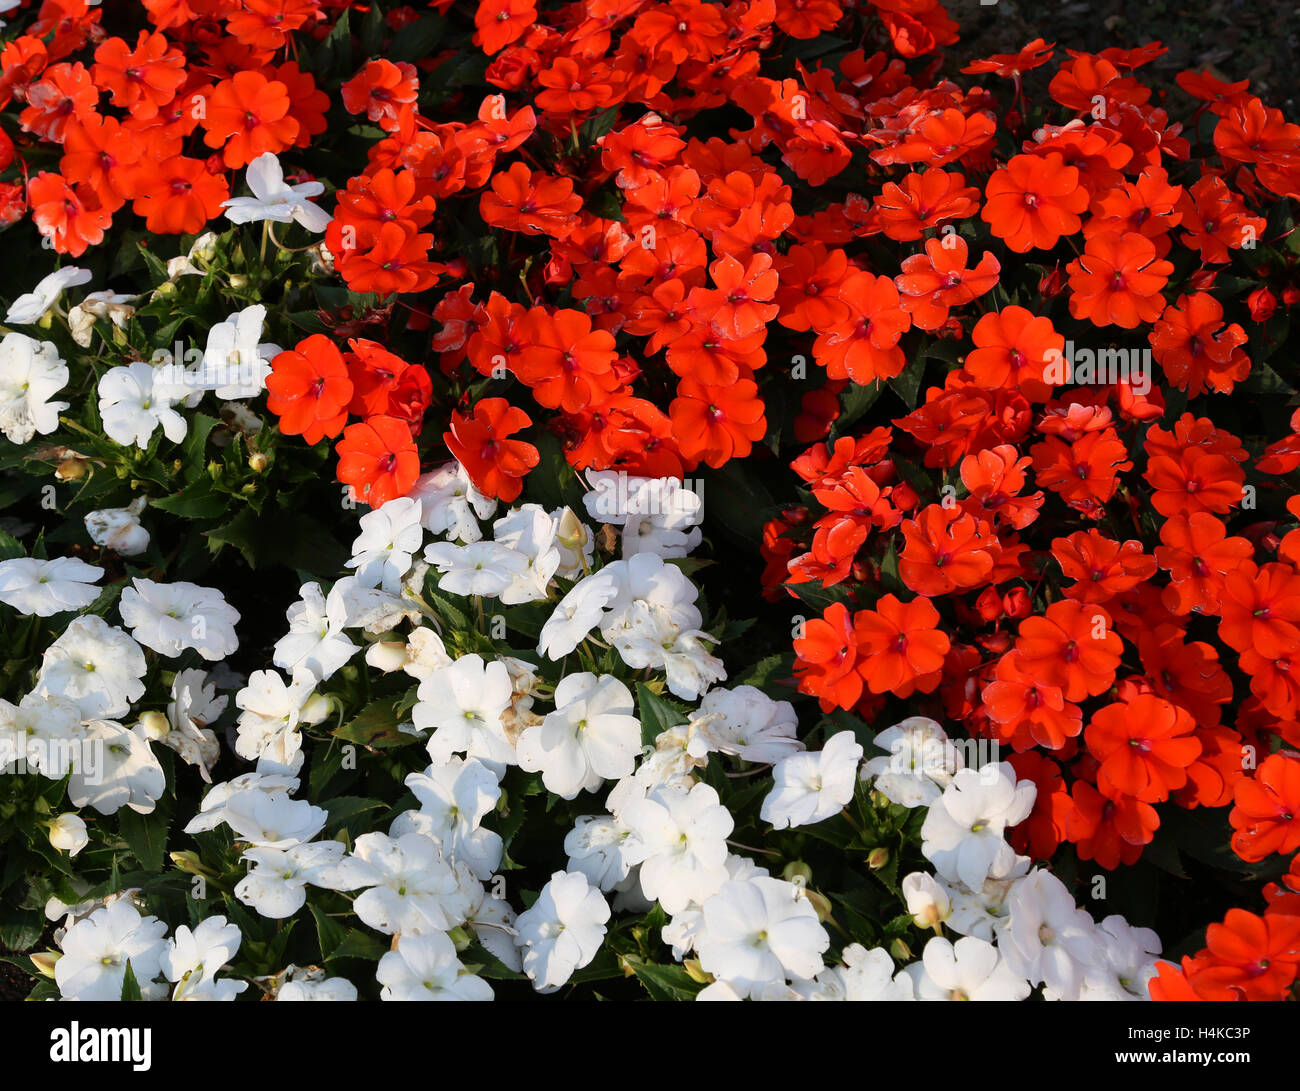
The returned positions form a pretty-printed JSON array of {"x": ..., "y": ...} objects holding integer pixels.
[
  {"x": 877, "y": 858},
  {"x": 696, "y": 972},
  {"x": 1015, "y": 603},
  {"x": 68, "y": 833},
  {"x": 799, "y": 868},
  {"x": 387, "y": 655},
  {"x": 1262, "y": 304},
  {"x": 900, "y": 950},
  {"x": 71, "y": 469},
  {"x": 315, "y": 710},
  {"x": 926, "y": 900},
  {"x": 258, "y": 462},
  {"x": 238, "y": 281},
  {"x": 989, "y": 604},
  {"x": 44, "y": 961},
  {"x": 155, "y": 726}
]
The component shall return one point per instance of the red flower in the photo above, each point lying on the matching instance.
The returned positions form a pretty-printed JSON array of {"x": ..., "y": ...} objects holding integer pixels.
[
  {"x": 495, "y": 463},
  {"x": 1247, "y": 957},
  {"x": 1267, "y": 812},
  {"x": 1072, "y": 646},
  {"x": 378, "y": 459},
  {"x": 1144, "y": 745},
  {"x": 1033, "y": 201},
  {"x": 902, "y": 648},
  {"x": 309, "y": 389}
]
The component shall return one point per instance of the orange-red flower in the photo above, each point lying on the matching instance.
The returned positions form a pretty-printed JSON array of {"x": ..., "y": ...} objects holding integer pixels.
[
  {"x": 1247, "y": 957},
  {"x": 378, "y": 459},
  {"x": 1144, "y": 746},
  {"x": 826, "y": 658},
  {"x": 1266, "y": 816},
  {"x": 1118, "y": 280},
  {"x": 901, "y": 647},
  {"x": 946, "y": 550},
  {"x": 480, "y": 442},
  {"x": 1072, "y": 646},
  {"x": 309, "y": 389},
  {"x": 715, "y": 424},
  {"x": 247, "y": 115},
  {"x": 1033, "y": 201}
]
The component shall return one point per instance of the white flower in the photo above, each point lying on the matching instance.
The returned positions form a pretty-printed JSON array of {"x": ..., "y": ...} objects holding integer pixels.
[
  {"x": 312, "y": 984},
  {"x": 97, "y": 949},
  {"x": 68, "y": 833},
  {"x": 425, "y": 967},
  {"x": 456, "y": 797},
  {"x": 1047, "y": 938},
  {"x": 760, "y": 930},
  {"x": 194, "y": 704},
  {"x": 920, "y": 764},
  {"x": 119, "y": 529},
  {"x": 31, "y": 372},
  {"x": 1125, "y": 964},
  {"x": 95, "y": 665},
  {"x": 591, "y": 736},
  {"x": 194, "y": 956},
  {"x": 927, "y": 901},
  {"x": 484, "y": 568},
  {"x": 962, "y": 832},
  {"x": 170, "y": 617},
  {"x": 131, "y": 408},
  {"x": 272, "y": 711},
  {"x": 42, "y": 730},
  {"x": 274, "y": 200},
  {"x": 450, "y": 504},
  {"x": 463, "y": 704},
  {"x": 577, "y": 614},
  {"x": 371, "y": 609},
  {"x": 277, "y": 880},
  {"x": 657, "y": 515},
  {"x": 390, "y": 535},
  {"x": 411, "y": 887},
  {"x": 120, "y": 770},
  {"x": 529, "y": 531},
  {"x": 688, "y": 665},
  {"x": 746, "y": 722},
  {"x": 315, "y": 643},
  {"x": 680, "y": 840},
  {"x": 107, "y": 304},
  {"x": 982, "y": 912},
  {"x": 595, "y": 848},
  {"x": 265, "y": 819},
  {"x": 810, "y": 787},
  {"x": 869, "y": 975},
  {"x": 234, "y": 363},
  {"x": 562, "y": 930},
  {"x": 45, "y": 588},
  {"x": 969, "y": 969},
  {"x": 31, "y": 306}
]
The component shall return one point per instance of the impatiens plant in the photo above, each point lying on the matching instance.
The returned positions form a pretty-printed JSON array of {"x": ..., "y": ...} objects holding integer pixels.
[{"x": 641, "y": 498}]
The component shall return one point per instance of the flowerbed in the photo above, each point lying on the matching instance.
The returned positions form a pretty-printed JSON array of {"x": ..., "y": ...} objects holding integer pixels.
[{"x": 637, "y": 498}]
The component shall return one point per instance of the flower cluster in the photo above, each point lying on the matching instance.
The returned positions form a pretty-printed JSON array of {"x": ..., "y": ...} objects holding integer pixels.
[{"x": 494, "y": 470}]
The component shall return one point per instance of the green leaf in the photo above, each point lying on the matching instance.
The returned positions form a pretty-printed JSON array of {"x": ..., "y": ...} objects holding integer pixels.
[
  {"x": 664, "y": 982},
  {"x": 329, "y": 932},
  {"x": 130, "y": 987},
  {"x": 357, "y": 944},
  {"x": 855, "y": 402},
  {"x": 908, "y": 385},
  {"x": 375, "y": 725},
  {"x": 345, "y": 808},
  {"x": 146, "y": 834},
  {"x": 657, "y": 715},
  {"x": 196, "y": 500}
]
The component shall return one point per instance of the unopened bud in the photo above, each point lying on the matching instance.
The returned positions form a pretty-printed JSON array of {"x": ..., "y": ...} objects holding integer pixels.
[
  {"x": 258, "y": 462},
  {"x": 797, "y": 868},
  {"x": 900, "y": 950},
  {"x": 71, "y": 469},
  {"x": 696, "y": 972},
  {"x": 877, "y": 858},
  {"x": 238, "y": 281},
  {"x": 155, "y": 726},
  {"x": 44, "y": 961}
]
